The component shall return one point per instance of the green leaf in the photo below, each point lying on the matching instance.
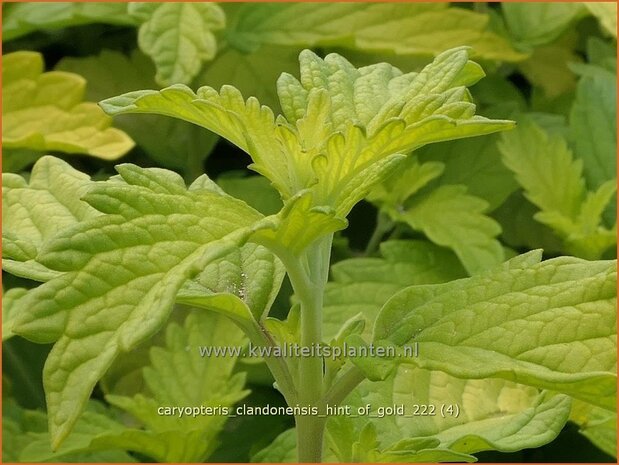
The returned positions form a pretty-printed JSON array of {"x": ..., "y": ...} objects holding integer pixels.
[
  {"x": 253, "y": 74},
  {"x": 410, "y": 178},
  {"x": 148, "y": 214},
  {"x": 178, "y": 37},
  {"x": 552, "y": 180},
  {"x": 360, "y": 443},
  {"x": 282, "y": 450},
  {"x": 226, "y": 114},
  {"x": 399, "y": 113},
  {"x": 19, "y": 19},
  {"x": 95, "y": 422},
  {"x": 495, "y": 91},
  {"x": 297, "y": 226},
  {"x": 549, "y": 325},
  {"x": 251, "y": 274},
  {"x": 16, "y": 160},
  {"x": 110, "y": 72},
  {"x": 346, "y": 128},
  {"x": 9, "y": 298},
  {"x": 533, "y": 24},
  {"x": 35, "y": 212},
  {"x": 44, "y": 111},
  {"x": 545, "y": 168},
  {"x": 593, "y": 123},
  {"x": 597, "y": 424},
  {"x": 363, "y": 285},
  {"x": 405, "y": 29},
  {"x": 462, "y": 415},
  {"x": 548, "y": 67},
  {"x": 602, "y": 53},
  {"x": 26, "y": 438},
  {"x": 179, "y": 376},
  {"x": 255, "y": 190},
  {"x": 450, "y": 217},
  {"x": 474, "y": 163},
  {"x": 12, "y": 434},
  {"x": 17, "y": 424},
  {"x": 171, "y": 143},
  {"x": 341, "y": 142},
  {"x": 360, "y": 286},
  {"x": 606, "y": 13},
  {"x": 521, "y": 230}
]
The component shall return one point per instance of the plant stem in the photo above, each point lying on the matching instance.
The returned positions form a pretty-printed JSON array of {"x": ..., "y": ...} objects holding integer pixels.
[
  {"x": 310, "y": 432},
  {"x": 383, "y": 225},
  {"x": 277, "y": 365},
  {"x": 308, "y": 275},
  {"x": 344, "y": 386}
]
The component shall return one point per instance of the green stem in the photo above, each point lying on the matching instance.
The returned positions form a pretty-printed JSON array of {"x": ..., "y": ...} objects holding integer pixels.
[
  {"x": 277, "y": 365},
  {"x": 310, "y": 433},
  {"x": 344, "y": 386},
  {"x": 383, "y": 225},
  {"x": 308, "y": 275},
  {"x": 397, "y": 232}
]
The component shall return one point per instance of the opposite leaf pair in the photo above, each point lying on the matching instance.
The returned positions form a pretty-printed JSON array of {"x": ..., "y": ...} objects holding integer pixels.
[{"x": 138, "y": 243}]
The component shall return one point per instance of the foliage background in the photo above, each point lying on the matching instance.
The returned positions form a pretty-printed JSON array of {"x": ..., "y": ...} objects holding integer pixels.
[{"x": 552, "y": 66}]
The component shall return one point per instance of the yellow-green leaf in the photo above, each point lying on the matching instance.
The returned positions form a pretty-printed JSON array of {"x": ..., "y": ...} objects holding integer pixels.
[{"x": 45, "y": 112}]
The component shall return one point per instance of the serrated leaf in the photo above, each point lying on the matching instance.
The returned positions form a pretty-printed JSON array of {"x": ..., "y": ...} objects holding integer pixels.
[
  {"x": 552, "y": 180},
  {"x": 171, "y": 143},
  {"x": 549, "y": 325},
  {"x": 450, "y": 217},
  {"x": 35, "y": 212},
  {"x": 411, "y": 177},
  {"x": 363, "y": 285},
  {"x": 346, "y": 128},
  {"x": 545, "y": 168},
  {"x": 225, "y": 113},
  {"x": 360, "y": 443},
  {"x": 153, "y": 236},
  {"x": 593, "y": 121},
  {"x": 492, "y": 414},
  {"x": 44, "y": 112},
  {"x": 95, "y": 422},
  {"x": 179, "y": 376},
  {"x": 25, "y": 436},
  {"x": 474, "y": 163},
  {"x": 397, "y": 112},
  {"x": 19, "y": 19},
  {"x": 178, "y": 37},
  {"x": 533, "y": 24},
  {"x": 408, "y": 29},
  {"x": 297, "y": 226}
]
